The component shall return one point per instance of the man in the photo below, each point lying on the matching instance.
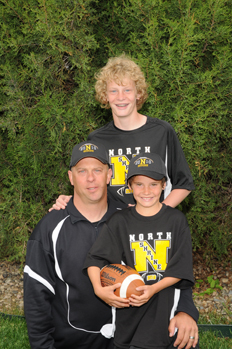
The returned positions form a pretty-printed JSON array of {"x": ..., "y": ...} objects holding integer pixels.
[
  {"x": 121, "y": 86},
  {"x": 61, "y": 309}
]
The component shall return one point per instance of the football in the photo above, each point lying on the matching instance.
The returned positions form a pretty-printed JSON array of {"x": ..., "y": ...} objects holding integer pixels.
[{"x": 129, "y": 278}]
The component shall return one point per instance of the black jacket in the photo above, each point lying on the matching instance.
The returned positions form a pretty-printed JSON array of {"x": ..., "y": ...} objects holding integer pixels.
[{"x": 61, "y": 308}]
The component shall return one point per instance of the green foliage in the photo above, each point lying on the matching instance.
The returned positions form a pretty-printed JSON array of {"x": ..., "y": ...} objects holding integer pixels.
[
  {"x": 184, "y": 48},
  {"x": 49, "y": 53},
  {"x": 213, "y": 285},
  {"x": 46, "y": 93}
]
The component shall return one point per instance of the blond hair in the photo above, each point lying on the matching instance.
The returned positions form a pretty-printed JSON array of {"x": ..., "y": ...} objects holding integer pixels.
[{"x": 116, "y": 69}]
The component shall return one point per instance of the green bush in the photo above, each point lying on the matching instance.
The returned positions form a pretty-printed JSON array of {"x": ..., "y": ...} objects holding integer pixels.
[
  {"x": 49, "y": 54},
  {"x": 46, "y": 94}
]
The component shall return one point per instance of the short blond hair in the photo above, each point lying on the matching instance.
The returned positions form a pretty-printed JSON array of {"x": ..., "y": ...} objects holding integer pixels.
[{"x": 116, "y": 69}]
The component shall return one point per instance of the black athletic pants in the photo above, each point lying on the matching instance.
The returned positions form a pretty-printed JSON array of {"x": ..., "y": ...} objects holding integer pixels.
[{"x": 169, "y": 347}]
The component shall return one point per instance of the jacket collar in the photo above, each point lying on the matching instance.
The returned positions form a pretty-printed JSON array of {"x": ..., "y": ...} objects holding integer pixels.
[{"x": 76, "y": 216}]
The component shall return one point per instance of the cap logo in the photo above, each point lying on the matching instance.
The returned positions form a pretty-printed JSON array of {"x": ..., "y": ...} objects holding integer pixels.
[
  {"x": 88, "y": 148},
  {"x": 143, "y": 162}
]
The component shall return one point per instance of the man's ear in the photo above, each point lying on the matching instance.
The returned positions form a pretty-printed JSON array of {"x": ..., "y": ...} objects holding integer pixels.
[
  {"x": 70, "y": 176},
  {"x": 109, "y": 175}
]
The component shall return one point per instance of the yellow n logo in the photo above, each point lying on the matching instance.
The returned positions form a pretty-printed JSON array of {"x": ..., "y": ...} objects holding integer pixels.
[
  {"x": 144, "y": 253},
  {"x": 88, "y": 147},
  {"x": 143, "y": 162}
]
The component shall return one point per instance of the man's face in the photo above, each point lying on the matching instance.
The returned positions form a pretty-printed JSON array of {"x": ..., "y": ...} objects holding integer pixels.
[
  {"x": 90, "y": 178},
  {"x": 122, "y": 98}
]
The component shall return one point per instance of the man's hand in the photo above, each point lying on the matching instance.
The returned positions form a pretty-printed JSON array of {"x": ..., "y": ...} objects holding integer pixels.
[
  {"x": 61, "y": 202},
  {"x": 187, "y": 328}
]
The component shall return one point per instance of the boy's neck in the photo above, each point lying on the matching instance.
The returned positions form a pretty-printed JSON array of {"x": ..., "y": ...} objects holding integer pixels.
[
  {"x": 148, "y": 211},
  {"x": 129, "y": 123}
]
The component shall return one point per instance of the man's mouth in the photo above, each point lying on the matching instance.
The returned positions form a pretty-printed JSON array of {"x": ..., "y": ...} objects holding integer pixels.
[{"x": 92, "y": 188}]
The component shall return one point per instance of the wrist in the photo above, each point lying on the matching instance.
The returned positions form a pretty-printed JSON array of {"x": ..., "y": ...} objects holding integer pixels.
[
  {"x": 97, "y": 289},
  {"x": 154, "y": 288}
]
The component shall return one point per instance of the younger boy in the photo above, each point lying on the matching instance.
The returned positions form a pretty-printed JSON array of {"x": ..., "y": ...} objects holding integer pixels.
[{"x": 155, "y": 240}]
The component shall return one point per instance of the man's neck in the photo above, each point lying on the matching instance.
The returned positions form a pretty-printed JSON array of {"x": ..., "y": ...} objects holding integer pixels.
[
  {"x": 93, "y": 212},
  {"x": 129, "y": 123}
]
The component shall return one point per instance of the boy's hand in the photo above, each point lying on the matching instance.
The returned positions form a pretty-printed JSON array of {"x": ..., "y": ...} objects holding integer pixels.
[
  {"x": 61, "y": 202},
  {"x": 108, "y": 296},
  {"x": 137, "y": 301},
  {"x": 150, "y": 290}
]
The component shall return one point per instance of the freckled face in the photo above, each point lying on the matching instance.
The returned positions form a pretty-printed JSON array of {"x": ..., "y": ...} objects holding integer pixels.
[
  {"x": 90, "y": 178},
  {"x": 122, "y": 98},
  {"x": 147, "y": 192}
]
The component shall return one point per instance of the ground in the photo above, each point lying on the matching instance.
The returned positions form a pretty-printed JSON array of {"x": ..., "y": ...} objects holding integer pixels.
[
  {"x": 208, "y": 297},
  {"x": 219, "y": 300}
]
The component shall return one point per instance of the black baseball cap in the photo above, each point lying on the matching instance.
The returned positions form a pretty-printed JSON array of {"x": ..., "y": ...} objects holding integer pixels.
[
  {"x": 89, "y": 150},
  {"x": 147, "y": 164}
]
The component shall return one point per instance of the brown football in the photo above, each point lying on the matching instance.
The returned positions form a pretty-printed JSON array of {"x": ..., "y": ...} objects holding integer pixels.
[{"x": 129, "y": 278}]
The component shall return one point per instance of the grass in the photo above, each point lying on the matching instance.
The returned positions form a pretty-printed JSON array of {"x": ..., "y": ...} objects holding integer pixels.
[
  {"x": 216, "y": 319},
  {"x": 212, "y": 340},
  {"x": 13, "y": 334},
  {"x": 209, "y": 340}
]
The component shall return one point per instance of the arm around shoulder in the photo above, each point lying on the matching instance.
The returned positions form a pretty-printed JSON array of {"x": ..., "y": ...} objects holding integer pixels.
[
  {"x": 175, "y": 197},
  {"x": 61, "y": 202}
]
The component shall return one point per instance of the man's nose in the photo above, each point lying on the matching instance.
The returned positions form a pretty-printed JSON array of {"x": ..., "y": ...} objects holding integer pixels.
[{"x": 90, "y": 176}]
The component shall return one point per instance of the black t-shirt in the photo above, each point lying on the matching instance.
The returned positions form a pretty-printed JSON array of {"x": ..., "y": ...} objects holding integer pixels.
[
  {"x": 157, "y": 246},
  {"x": 156, "y": 136}
]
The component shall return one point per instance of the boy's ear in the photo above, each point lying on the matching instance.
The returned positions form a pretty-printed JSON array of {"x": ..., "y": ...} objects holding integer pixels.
[{"x": 164, "y": 185}]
